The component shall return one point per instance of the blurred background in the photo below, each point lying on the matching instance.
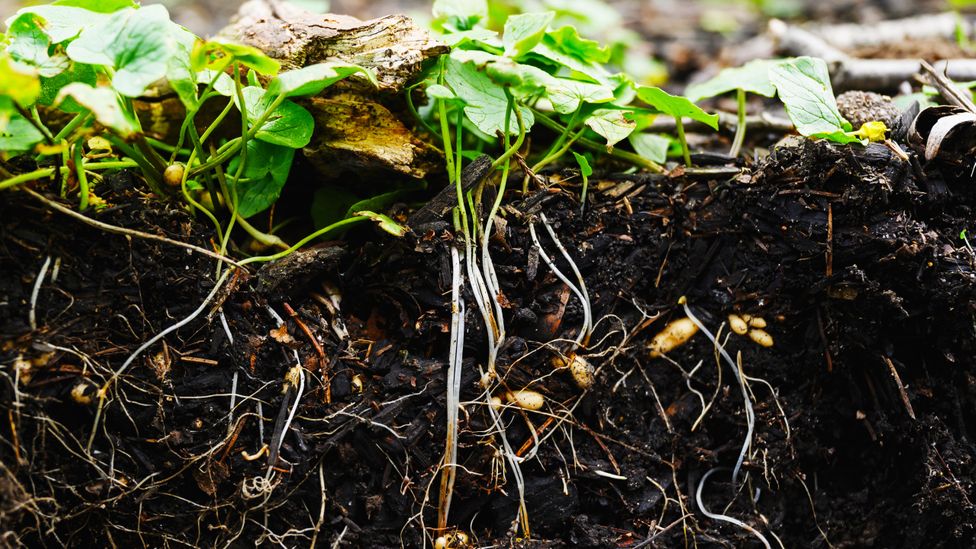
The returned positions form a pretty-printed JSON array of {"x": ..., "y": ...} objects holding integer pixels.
[
  {"x": 672, "y": 39},
  {"x": 649, "y": 17}
]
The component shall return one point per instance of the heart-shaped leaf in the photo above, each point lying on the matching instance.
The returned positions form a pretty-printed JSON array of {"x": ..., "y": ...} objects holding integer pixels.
[
  {"x": 137, "y": 44},
  {"x": 289, "y": 125},
  {"x": 312, "y": 79}
]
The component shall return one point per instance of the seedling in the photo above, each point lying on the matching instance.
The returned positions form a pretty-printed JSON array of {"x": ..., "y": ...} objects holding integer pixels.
[{"x": 753, "y": 77}]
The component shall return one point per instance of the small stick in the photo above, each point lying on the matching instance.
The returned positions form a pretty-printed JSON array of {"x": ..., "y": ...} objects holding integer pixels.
[
  {"x": 948, "y": 88},
  {"x": 901, "y": 387},
  {"x": 233, "y": 438},
  {"x": 127, "y": 232},
  {"x": 323, "y": 363},
  {"x": 830, "y": 240}
]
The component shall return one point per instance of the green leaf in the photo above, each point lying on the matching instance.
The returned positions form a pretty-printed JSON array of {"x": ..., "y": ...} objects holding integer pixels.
[
  {"x": 98, "y": 6},
  {"x": 675, "y": 105},
  {"x": 485, "y": 101},
  {"x": 385, "y": 222},
  {"x": 18, "y": 82},
  {"x": 179, "y": 70},
  {"x": 584, "y": 164},
  {"x": 442, "y": 93},
  {"x": 566, "y": 95},
  {"x": 753, "y": 77},
  {"x": 476, "y": 37},
  {"x": 289, "y": 125},
  {"x": 51, "y": 87},
  {"x": 548, "y": 52},
  {"x": 217, "y": 54},
  {"x": 313, "y": 79},
  {"x": 651, "y": 146},
  {"x": 29, "y": 44},
  {"x": 461, "y": 14},
  {"x": 18, "y": 134},
  {"x": 524, "y": 31},
  {"x": 104, "y": 103},
  {"x": 137, "y": 44},
  {"x": 567, "y": 40},
  {"x": 612, "y": 124},
  {"x": 803, "y": 85},
  {"x": 266, "y": 172},
  {"x": 385, "y": 200},
  {"x": 64, "y": 22},
  {"x": 224, "y": 84}
]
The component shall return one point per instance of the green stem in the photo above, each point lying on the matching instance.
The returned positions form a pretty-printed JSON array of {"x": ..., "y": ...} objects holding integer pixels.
[
  {"x": 26, "y": 177},
  {"x": 564, "y": 134},
  {"x": 306, "y": 240},
  {"x": 627, "y": 156},
  {"x": 189, "y": 198},
  {"x": 509, "y": 151},
  {"x": 111, "y": 165},
  {"x": 148, "y": 170},
  {"x": 416, "y": 114},
  {"x": 82, "y": 178},
  {"x": 227, "y": 150},
  {"x": 680, "y": 129},
  {"x": 740, "y": 128},
  {"x": 73, "y": 124},
  {"x": 35, "y": 120},
  {"x": 216, "y": 122},
  {"x": 555, "y": 155}
]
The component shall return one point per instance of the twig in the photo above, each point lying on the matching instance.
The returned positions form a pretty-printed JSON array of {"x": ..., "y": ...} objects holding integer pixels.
[
  {"x": 864, "y": 74},
  {"x": 948, "y": 89},
  {"x": 323, "y": 363},
  {"x": 901, "y": 387},
  {"x": 127, "y": 232}
]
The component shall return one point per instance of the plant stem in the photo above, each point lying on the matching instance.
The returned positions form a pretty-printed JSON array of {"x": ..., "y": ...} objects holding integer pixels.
[
  {"x": 627, "y": 156},
  {"x": 26, "y": 177},
  {"x": 73, "y": 124},
  {"x": 82, "y": 178},
  {"x": 680, "y": 129},
  {"x": 740, "y": 127},
  {"x": 306, "y": 240},
  {"x": 556, "y": 154}
]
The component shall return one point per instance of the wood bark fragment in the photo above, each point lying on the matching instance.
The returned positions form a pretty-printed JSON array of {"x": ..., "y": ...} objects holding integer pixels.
[
  {"x": 356, "y": 127},
  {"x": 849, "y": 73}
]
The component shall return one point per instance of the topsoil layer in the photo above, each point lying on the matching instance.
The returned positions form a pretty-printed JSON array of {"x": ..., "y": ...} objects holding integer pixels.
[{"x": 862, "y": 405}]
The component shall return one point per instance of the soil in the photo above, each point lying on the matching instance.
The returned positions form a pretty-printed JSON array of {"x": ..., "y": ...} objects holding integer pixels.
[
  {"x": 858, "y": 270},
  {"x": 305, "y": 404}
]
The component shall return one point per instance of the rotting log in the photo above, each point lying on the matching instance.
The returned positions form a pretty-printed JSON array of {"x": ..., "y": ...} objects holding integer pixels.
[{"x": 357, "y": 125}]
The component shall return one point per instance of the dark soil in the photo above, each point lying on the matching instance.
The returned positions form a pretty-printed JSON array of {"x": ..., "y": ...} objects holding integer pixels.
[{"x": 851, "y": 255}]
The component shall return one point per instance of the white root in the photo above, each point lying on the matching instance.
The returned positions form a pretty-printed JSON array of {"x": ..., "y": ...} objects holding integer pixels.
[
  {"x": 32, "y": 315},
  {"x": 747, "y": 402},
  {"x": 103, "y": 391},
  {"x": 725, "y": 518},
  {"x": 295, "y": 376},
  {"x": 453, "y": 393},
  {"x": 579, "y": 293}
]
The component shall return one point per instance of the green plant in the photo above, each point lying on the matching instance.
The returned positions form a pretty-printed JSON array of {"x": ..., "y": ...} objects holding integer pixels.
[{"x": 92, "y": 60}]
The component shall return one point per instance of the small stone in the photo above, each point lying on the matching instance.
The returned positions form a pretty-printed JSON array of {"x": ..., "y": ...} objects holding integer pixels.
[{"x": 859, "y": 107}]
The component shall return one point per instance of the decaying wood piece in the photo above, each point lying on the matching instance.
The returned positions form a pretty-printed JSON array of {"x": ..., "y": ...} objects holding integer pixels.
[
  {"x": 850, "y": 73},
  {"x": 355, "y": 123}
]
